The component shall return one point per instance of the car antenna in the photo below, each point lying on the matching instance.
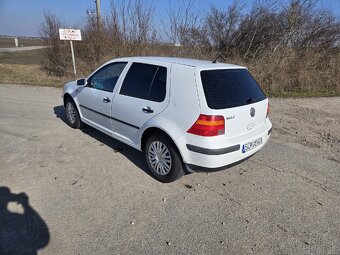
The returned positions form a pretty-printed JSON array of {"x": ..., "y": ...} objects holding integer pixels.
[{"x": 218, "y": 56}]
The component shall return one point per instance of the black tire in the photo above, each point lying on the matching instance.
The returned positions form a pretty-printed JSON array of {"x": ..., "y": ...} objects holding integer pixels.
[
  {"x": 170, "y": 174},
  {"x": 72, "y": 116}
]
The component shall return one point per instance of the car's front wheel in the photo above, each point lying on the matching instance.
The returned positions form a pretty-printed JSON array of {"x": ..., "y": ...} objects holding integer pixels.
[
  {"x": 72, "y": 114},
  {"x": 163, "y": 159}
]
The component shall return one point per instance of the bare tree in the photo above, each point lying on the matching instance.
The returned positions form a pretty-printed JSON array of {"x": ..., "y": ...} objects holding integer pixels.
[
  {"x": 222, "y": 26},
  {"x": 55, "y": 61},
  {"x": 132, "y": 21},
  {"x": 184, "y": 22}
]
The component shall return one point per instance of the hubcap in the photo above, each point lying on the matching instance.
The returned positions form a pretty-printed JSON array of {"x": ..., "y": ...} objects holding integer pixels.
[
  {"x": 159, "y": 158},
  {"x": 70, "y": 112}
]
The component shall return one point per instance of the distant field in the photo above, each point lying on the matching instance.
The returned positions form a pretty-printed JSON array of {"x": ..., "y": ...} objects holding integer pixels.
[{"x": 23, "y": 42}]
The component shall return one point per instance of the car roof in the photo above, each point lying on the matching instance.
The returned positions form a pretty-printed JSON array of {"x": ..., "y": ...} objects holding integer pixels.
[{"x": 181, "y": 61}]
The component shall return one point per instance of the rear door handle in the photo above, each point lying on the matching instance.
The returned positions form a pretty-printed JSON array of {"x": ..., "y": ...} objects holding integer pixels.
[
  {"x": 147, "y": 109},
  {"x": 106, "y": 100}
]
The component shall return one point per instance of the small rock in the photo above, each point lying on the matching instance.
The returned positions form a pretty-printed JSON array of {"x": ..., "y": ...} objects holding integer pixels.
[
  {"x": 163, "y": 199},
  {"x": 198, "y": 184},
  {"x": 223, "y": 223},
  {"x": 188, "y": 186},
  {"x": 204, "y": 180},
  {"x": 185, "y": 198},
  {"x": 224, "y": 184},
  {"x": 132, "y": 223},
  {"x": 168, "y": 243},
  {"x": 221, "y": 242}
]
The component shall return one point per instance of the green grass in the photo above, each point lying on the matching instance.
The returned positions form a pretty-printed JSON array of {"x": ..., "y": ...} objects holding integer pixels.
[
  {"x": 9, "y": 42},
  {"x": 26, "y": 57}
]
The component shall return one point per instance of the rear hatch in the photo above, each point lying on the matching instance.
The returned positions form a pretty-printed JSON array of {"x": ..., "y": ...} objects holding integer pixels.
[{"x": 234, "y": 94}]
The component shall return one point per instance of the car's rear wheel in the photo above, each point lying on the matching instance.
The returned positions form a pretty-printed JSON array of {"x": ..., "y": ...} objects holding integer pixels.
[
  {"x": 72, "y": 114},
  {"x": 163, "y": 159}
]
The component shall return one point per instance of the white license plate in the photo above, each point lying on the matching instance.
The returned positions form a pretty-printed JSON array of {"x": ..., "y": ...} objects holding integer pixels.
[{"x": 251, "y": 145}]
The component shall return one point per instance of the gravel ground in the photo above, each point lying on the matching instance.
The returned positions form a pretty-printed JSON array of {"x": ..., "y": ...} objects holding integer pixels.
[{"x": 65, "y": 191}]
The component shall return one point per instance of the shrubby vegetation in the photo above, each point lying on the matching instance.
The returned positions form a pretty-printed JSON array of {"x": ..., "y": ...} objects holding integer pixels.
[{"x": 291, "y": 47}]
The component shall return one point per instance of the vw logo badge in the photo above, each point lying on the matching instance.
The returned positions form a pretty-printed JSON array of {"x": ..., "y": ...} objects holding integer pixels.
[{"x": 252, "y": 111}]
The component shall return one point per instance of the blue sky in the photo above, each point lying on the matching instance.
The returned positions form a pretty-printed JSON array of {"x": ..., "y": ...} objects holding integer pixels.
[{"x": 23, "y": 17}]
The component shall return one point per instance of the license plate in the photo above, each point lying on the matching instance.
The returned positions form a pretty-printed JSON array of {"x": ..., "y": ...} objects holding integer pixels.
[{"x": 251, "y": 145}]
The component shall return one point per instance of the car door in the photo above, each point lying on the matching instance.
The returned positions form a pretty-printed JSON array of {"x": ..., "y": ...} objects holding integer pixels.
[
  {"x": 95, "y": 99},
  {"x": 144, "y": 94}
]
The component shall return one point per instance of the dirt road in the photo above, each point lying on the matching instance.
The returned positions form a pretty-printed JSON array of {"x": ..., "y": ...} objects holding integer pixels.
[{"x": 89, "y": 194}]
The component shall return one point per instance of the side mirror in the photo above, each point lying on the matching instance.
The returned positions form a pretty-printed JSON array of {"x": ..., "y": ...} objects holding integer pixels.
[{"x": 81, "y": 82}]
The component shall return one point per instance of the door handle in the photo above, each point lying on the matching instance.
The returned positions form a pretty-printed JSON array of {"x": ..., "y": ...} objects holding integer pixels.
[
  {"x": 147, "y": 109},
  {"x": 106, "y": 100}
]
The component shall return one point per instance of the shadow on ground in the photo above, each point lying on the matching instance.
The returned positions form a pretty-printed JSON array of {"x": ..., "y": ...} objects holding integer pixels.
[
  {"x": 135, "y": 156},
  {"x": 22, "y": 230}
]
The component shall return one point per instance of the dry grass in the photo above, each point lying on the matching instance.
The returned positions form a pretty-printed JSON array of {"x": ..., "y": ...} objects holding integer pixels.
[
  {"x": 27, "y": 57},
  {"x": 28, "y": 74},
  {"x": 23, "y": 67}
]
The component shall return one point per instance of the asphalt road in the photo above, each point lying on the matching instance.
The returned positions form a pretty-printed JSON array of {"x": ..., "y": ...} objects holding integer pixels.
[
  {"x": 22, "y": 48},
  {"x": 89, "y": 194}
]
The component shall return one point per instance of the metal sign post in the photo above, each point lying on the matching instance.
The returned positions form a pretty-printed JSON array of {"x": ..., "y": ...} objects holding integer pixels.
[
  {"x": 71, "y": 35},
  {"x": 73, "y": 60}
]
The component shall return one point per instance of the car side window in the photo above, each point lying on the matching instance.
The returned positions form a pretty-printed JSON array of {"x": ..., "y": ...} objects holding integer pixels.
[
  {"x": 107, "y": 77},
  {"x": 145, "y": 81},
  {"x": 158, "y": 87}
]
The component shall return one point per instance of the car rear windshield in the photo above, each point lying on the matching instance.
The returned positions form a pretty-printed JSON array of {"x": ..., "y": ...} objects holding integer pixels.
[{"x": 226, "y": 88}]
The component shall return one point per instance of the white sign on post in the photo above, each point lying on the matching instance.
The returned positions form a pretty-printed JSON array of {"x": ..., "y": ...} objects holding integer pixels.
[{"x": 71, "y": 35}]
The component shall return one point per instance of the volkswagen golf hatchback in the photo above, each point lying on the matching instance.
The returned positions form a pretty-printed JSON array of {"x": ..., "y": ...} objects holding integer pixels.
[{"x": 185, "y": 115}]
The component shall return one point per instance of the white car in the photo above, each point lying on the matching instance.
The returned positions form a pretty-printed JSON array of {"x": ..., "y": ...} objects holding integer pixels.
[{"x": 185, "y": 115}]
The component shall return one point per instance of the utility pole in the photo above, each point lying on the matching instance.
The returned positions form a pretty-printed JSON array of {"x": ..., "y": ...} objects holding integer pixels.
[{"x": 99, "y": 19}]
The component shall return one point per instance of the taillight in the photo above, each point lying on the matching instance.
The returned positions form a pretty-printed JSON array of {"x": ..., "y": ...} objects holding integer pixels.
[
  {"x": 268, "y": 110},
  {"x": 208, "y": 125}
]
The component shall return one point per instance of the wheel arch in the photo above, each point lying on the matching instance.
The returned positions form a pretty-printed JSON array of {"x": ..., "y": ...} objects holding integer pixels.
[
  {"x": 156, "y": 130},
  {"x": 67, "y": 95}
]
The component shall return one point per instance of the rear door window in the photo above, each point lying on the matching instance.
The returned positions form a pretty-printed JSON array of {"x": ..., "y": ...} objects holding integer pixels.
[
  {"x": 146, "y": 82},
  {"x": 226, "y": 88}
]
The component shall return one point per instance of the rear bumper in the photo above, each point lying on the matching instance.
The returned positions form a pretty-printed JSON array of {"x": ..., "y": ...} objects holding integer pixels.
[
  {"x": 206, "y": 157},
  {"x": 206, "y": 151},
  {"x": 194, "y": 168}
]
